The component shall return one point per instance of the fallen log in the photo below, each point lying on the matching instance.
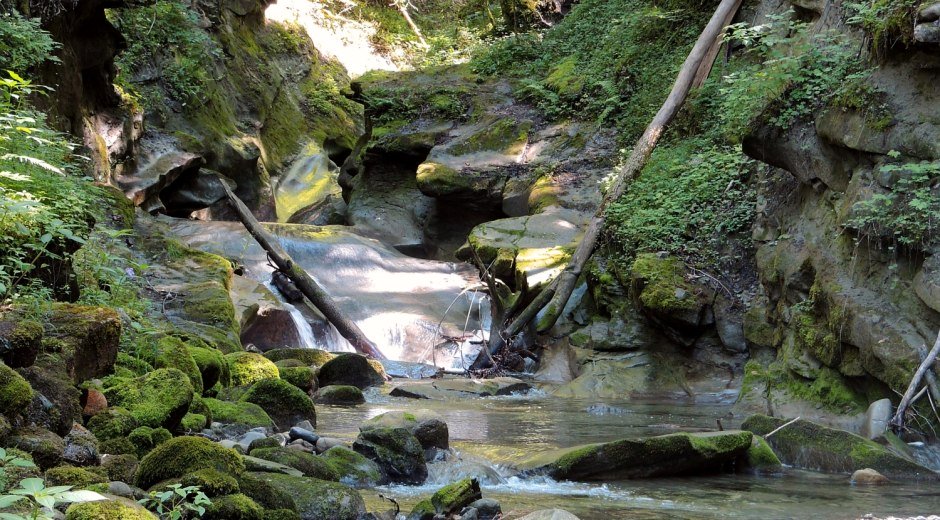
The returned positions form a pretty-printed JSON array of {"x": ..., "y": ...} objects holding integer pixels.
[
  {"x": 565, "y": 283},
  {"x": 897, "y": 422},
  {"x": 307, "y": 285}
]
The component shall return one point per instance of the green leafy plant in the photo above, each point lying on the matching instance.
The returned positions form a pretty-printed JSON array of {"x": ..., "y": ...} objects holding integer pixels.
[
  {"x": 10, "y": 460},
  {"x": 887, "y": 22},
  {"x": 34, "y": 501},
  {"x": 23, "y": 43},
  {"x": 177, "y": 502},
  {"x": 908, "y": 214}
]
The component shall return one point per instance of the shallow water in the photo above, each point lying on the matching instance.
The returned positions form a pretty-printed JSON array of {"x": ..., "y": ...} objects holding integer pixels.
[{"x": 492, "y": 434}]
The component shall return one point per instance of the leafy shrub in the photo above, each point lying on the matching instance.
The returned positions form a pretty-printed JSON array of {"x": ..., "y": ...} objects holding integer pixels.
[
  {"x": 887, "y": 22},
  {"x": 23, "y": 44},
  {"x": 689, "y": 199},
  {"x": 909, "y": 213},
  {"x": 176, "y": 502}
]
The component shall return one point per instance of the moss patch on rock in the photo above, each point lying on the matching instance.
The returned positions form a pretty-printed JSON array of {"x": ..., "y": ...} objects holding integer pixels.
[
  {"x": 304, "y": 378},
  {"x": 308, "y": 464},
  {"x": 108, "y": 510},
  {"x": 233, "y": 507},
  {"x": 15, "y": 392},
  {"x": 284, "y": 403},
  {"x": 158, "y": 399},
  {"x": 353, "y": 469},
  {"x": 247, "y": 368},
  {"x": 309, "y": 356},
  {"x": 248, "y": 414},
  {"x": 75, "y": 477},
  {"x": 317, "y": 498},
  {"x": 183, "y": 455},
  {"x": 339, "y": 395}
]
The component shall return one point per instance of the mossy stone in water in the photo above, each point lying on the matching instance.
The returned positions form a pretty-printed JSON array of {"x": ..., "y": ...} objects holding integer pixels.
[
  {"x": 317, "y": 499},
  {"x": 339, "y": 394},
  {"x": 114, "y": 422},
  {"x": 664, "y": 455},
  {"x": 158, "y": 399},
  {"x": 265, "y": 494},
  {"x": 397, "y": 452},
  {"x": 349, "y": 369},
  {"x": 760, "y": 457},
  {"x": 286, "y": 404},
  {"x": 448, "y": 500},
  {"x": 248, "y": 414},
  {"x": 247, "y": 368},
  {"x": 308, "y": 464},
  {"x": 308, "y": 356},
  {"x": 233, "y": 507},
  {"x": 108, "y": 510},
  {"x": 808, "y": 445},
  {"x": 15, "y": 392},
  {"x": 183, "y": 455},
  {"x": 194, "y": 422},
  {"x": 353, "y": 468}
]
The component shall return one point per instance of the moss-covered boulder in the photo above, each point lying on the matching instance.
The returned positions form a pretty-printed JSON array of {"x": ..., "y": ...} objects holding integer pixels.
[
  {"x": 75, "y": 477},
  {"x": 760, "y": 457},
  {"x": 353, "y": 469},
  {"x": 247, "y": 368},
  {"x": 233, "y": 507},
  {"x": 118, "y": 446},
  {"x": 21, "y": 341},
  {"x": 307, "y": 463},
  {"x": 808, "y": 445},
  {"x": 212, "y": 482},
  {"x": 89, "y": 337},
  {"x": 15, "y": 392},
  {"x": 428, "y": 427},
  {"x": 661, "y": 456},
  {"x": 345, "y": 395},
  {"x": 182, "y": 455},
  {"x": 308, "y": 356},
  {"x": 56, "y": 402},
  {"x": 121, "y": 468},
  {"x": 194, "y": 422},
  {"x": 349, "y": 369},
  {"x": 447, "y": 501},
  {"x": 172, "y": 352},
  {"x": 145, "y": 439},
  {"x": 116, "y": 509},
  {"x": 666, "y": 294},
  {"x": 44, "y": 446},
  {"x": 81, "y": 447},
  {"x": 248, "y": 414},
  {"x": 158, "y": 399},
  {"x": 114, "y": 422},
  {"x": 286, "y": 404},
  {"x": 317, "y": 499},
  {"x": 264, "y": 493},
  {"x": 212, "y": 366},
  {"x": 304, "y": 378},
  {"x": 396, "y": 451}
]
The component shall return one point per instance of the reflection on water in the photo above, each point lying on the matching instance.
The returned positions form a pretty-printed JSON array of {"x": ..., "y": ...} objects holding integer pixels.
[{"x": 490, "y": 435}]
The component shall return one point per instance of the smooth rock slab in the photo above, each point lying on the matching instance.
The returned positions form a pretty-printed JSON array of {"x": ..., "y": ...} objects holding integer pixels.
[
  {"x": 661, "y": 456},
  {"x": 460, "y": 388},
  {"x": 807, "y": 445},
  {"x": 317, "y": 499}
]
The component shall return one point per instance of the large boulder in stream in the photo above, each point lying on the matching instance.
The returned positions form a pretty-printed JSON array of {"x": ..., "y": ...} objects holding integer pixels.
[
  {"x": 448, "y": 501},
  {"x": 428, "y": 427},
  {"x": 316, "y": 499},
  {"x": 661, "y": 456},
  {"x": 397, "y": 452},
  {"x": 349, "y": 369},
  {"x": 807, "y": 445},
  {"x": 442, "y": 389}
]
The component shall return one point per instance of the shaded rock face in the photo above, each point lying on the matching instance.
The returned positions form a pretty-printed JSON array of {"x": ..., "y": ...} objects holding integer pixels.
[
  {"x": 397, "y": 452},
  {"x": 808, "y": 445},
  {"x": 676, "y": 454},
  {"x": 349, "y": 369},
  {"x": 89, "y": 339}
]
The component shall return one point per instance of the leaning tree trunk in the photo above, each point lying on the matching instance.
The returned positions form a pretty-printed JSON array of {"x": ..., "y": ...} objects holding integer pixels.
[
  {"x": 561, "y": 289},
  {"x": 307, "y": 285}
]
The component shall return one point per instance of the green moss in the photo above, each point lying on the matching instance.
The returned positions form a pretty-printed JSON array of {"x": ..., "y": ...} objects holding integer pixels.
[
  {"x": 172, "y": 352},
  {"x": 233, "y": 507},
  {"x": 281, "y": 514},
  {"x": 266, "y": 495},
  {"x": 194, "y": 422},
  {"x": 146, "y": 439},
  {"x": 316, "y": 498},
  {"x": 183, "y": 455},
  {"x": 212, "y": 366},
  {"x": 283, "y": 402},
  {"x": 308, "y": 464},
  {"x": 448, "y": 500},
  {"x": 756, "y": 328},
  {"x": 247, "y": 368},
  {"x": 134, "y": 366},
  {"x": 663, "y": 281},
  {"x": 352, "y": 468},
  {"x": 120, "y": 467},
  {"x": 15, "y": 392},
  {"x": 212, "y": 482},
  {"x": 160, "y": 398},
  {"x": 108, "y": 510},
  {"x": 112, "y": 423},
  {"x": 339, "y": 394},
  {"x": 72, "y": 476},
  {"x": 118, "y": 446},
  {"x": 304, "y": 378},
  {"x": 505, "y": 135},
  {"x": 248, "y": 414},
  {"x": 761, "y": 457}
]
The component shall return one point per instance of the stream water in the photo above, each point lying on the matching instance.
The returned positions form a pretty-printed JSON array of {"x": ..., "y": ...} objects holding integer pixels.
[{"x": 492, "y": 434}]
